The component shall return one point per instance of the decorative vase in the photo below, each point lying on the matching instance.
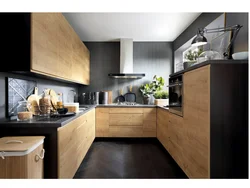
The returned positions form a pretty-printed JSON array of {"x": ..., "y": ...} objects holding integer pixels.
[
  {"x": 161, "y": 102},
  {"x": 146, "y": 100},
  {"x": 188, "y": 64}
]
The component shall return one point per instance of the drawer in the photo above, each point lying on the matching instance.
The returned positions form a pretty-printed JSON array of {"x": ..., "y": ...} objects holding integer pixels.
[
  {"x": 126, "y": 110},
  {"x": 102, "y": 122},
  {"x": 128, "y": 131},
  {"x": 126, "y": 119},
  {"x": 74, "y": 141},
  {"x": 67, "y": 134},
  {"x": 149, "y": 110}
]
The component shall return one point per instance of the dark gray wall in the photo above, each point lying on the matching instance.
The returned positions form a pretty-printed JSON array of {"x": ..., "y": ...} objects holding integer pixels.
[
  {"x": 241, "y": 42},
  {"x": 41, "y": 84},
  {"x": 202, "y": 21},
  {"x": 151, "y": 58}
]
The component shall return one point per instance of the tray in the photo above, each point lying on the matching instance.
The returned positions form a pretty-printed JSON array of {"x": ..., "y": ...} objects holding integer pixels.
[{"x": 64, "y": 115}]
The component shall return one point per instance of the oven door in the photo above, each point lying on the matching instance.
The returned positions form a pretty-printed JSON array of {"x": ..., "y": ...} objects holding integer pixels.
[{"x": 175, "y": 98}]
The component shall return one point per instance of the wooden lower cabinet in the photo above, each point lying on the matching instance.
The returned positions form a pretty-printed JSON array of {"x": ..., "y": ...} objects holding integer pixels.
[
  {"x": 187, "y": 138},
  {"x": 74, "y": 140},
  {"x": 125, "y": 122}
]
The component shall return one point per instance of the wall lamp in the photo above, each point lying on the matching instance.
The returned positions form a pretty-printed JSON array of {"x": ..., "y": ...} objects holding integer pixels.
[{"x": 201, "y": 40}]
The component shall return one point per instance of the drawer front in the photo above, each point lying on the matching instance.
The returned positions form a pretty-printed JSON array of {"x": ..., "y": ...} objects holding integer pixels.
[
  {"x": 74, "y": 141},
  {"x": 102, "y": 122},
  {"x": 67, "y": 134},
  {"x": 126, "y": 119},
  {"x": 149, "y": 110},
  {"x": 126, "y": 110},
  {"x": 128, "y": 131}
]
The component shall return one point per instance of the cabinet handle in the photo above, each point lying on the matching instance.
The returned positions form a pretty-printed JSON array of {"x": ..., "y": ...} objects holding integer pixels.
[
  {"x": 2, "y": 154},
  {"x": 38, "y": 157},
  {"x": 81, "y": 125},
  {"x": 14, "y": 141}
]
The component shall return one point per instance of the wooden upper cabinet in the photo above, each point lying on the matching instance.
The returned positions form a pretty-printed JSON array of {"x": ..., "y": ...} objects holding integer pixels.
[{"x": 56, "y": 50}]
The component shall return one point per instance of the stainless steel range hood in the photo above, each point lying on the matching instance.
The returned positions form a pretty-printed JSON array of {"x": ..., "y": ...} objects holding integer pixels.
[{"x": 126, "y": 61}]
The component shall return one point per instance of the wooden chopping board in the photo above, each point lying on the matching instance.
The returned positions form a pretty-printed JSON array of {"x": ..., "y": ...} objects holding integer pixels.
[
  {"x": 34, "y": 102},
  {"x": 53, "y": 98}
]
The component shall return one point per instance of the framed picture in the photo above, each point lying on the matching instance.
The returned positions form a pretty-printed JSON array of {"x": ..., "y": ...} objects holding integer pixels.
[{"x": 18, "y": 90}]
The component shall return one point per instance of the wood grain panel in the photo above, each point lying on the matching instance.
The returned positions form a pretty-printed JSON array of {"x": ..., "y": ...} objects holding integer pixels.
[
  {"x": 197, "y": 121},
  {"x": 22, "y": 167},
  {"x": 149, "y": 122},
  {"x": 102, "y": 122},
  {"x": 125, "y": 131},
  {"x": 162, "y": 127},
  {"x": 57, "y": 50},
  {"x": 74, "y": 141},
  {"x": 126, "y": 120},
  {"x": 149, "y": 110},
  {"x": 126, "y": 110}
]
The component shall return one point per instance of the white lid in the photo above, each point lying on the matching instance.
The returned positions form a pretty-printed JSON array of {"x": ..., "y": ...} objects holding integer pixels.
[
  {"x": 71, "y": 104},
  {"x": 19, "y": 145}
]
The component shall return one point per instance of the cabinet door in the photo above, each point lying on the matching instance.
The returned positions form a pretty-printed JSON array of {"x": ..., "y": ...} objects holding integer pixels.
[
  {"x": 74, "y": 140},
  {"x": 149, "y": 122},
  {"x": 56, "y": 50},
  {"x": 102, "y": 122},
  {"x": 197, "y": 121},
  {"x": 162, "y": 127}
]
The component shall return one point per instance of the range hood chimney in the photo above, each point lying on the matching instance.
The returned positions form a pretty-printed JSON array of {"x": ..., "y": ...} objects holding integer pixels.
[{"x": 126, "y": 61}]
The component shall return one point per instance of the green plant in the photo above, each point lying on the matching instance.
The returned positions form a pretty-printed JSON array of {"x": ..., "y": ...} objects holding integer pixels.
[
  {"x": 157, "y": 83},
  {"x": 150, "y": 88},
  {"x": 165, "y": 95},
  {"x": 193, "y": 55},
  {"x": 161, "y": 95},
  {"x": 146, "y": 90}
]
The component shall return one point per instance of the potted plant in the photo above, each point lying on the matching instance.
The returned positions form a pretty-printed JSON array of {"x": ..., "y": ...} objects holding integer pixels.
[
  {"x": 161, "y": 98},
  {"x": 150, "y": 88},
  {"x": 191, "y": 57},
  {"x": 146, "y": 92}
]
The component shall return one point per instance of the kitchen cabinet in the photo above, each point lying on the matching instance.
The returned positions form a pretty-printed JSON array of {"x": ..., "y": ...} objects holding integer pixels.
[
  {"x": 197, "y": 121},
  {"x": 49, "y": 47},
  {"x": 162, "y": 126},
  {"x": 102, "y": 122},
  {"x": 125, "y": 122},
  {"x": 74, "y": 140},
  {"x": 211, "y": 139}
]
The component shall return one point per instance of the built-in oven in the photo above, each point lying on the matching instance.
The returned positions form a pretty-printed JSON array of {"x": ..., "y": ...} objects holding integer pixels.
[{"x": 176, "y": 95}]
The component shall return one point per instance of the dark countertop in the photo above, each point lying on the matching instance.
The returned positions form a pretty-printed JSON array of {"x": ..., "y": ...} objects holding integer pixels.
[
  {"x": 198, "y": 65},
  {"x": 61, "y": 121},
  {"x": 126, "y": 106},
  {"x": 165, "y": 108},
  {"x": 42, "y": 121}
]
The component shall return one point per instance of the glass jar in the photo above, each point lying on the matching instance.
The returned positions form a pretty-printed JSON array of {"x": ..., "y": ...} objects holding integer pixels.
[
  {"x": 45, "y": 104},
  {"x": 24, "y": 111},
  {"x": 59, "y": 100}
]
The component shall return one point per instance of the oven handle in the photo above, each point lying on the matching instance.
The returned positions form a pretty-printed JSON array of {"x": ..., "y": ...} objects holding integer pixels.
[{"x": 173, "y": 85}]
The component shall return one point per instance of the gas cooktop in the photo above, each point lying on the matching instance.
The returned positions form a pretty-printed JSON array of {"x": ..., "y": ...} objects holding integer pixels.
[{"x": 127, "y": 103}]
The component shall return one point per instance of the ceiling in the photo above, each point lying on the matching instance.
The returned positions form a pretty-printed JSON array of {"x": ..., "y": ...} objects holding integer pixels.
[{"x": 138, "y": 26}]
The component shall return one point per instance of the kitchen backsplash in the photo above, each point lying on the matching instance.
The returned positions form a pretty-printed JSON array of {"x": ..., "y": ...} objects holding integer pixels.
[
  {"x": 42, "y": 84},
  {"x": 151, "y": 58}
]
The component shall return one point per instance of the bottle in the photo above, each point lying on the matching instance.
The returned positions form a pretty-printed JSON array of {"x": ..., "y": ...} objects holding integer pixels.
[{"x": 60, "y": 100}]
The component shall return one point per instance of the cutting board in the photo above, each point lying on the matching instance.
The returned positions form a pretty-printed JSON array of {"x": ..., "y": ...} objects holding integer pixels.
[{"x": 34, "y": 102}]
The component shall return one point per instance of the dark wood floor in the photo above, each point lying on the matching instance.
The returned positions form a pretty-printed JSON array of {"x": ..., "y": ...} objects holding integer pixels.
[{"x": 128, "y": 158}]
